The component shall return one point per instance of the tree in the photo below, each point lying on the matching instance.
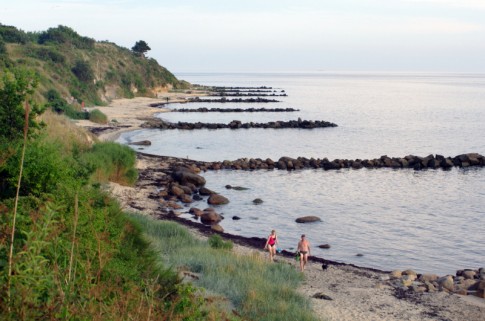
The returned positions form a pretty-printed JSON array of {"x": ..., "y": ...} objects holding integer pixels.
[
  {"x": 140, "y": 48},
  {"x": 16, "y": 87}
]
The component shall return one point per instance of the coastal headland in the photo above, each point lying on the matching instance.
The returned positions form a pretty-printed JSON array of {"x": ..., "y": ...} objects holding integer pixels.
[{"x": 338, "y": 291}]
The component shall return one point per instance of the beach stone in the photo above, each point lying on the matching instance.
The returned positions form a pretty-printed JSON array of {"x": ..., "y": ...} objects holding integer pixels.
[
  {"x": 429, "y": 286},
  {"x": 409, "y": 272},
  {"x": 196, "y": 211},
  {"x": 186, "y": 199},
  {"x": 217, "y": 228},
  {"x": 174, "y": 205},
  {"x": 396, "y": 274},
  {"x": 321, "y": 296},
  {"x": 461, "y": 291},
  {"x": 176, "y": 190},
  {"x": 324, "y": 246},
  {"x": 205, "y": 191},
  {"x": 418, "y": 288},
  {"x": 446, "y": 283},
  {"x": 210, "y": 218},
  {"x": 308, "y": 219},
  {"x": 428, "y": 277},
  {"x": 217, "y": 199},
  {"x": 469, "y": 284},
  {"x": 189, "y": 188},
  {"x": 142, "y": 143},
  {"x": 481, "y": 289},
  {"x": 407, "y": 280},
  {"x": 184, "y": 176},
  {"x": 468, "y": 274}
]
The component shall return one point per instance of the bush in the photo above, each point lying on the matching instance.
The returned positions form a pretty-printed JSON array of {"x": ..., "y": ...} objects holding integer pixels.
[
  {"x": 96, "y": 116},
  {"x": 216, "y": 242},
  {"x": 83, "y": 71},
  {"x": 44, "y": 168},
  {"x": 60, "y": 106},
  {"x": 112, "y": 161}
]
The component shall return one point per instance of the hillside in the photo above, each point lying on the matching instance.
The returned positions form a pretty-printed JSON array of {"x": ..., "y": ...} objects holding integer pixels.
[{"x": 82, "y": 69}]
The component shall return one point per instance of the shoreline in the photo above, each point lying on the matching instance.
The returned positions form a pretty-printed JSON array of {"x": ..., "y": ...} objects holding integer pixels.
[{"x": 357, "y": 293}]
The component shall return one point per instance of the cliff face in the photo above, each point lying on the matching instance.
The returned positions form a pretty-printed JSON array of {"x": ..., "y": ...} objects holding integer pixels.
[{"x": 82, "y": 69}]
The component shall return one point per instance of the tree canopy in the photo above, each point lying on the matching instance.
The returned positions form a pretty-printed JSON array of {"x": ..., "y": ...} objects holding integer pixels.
[
  {"x": 140, "y": 48},
  {"x": 16, "y": 87}
]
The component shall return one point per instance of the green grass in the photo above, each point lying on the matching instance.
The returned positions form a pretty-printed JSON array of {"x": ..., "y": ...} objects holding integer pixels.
[{"x": 259, "y": 290}]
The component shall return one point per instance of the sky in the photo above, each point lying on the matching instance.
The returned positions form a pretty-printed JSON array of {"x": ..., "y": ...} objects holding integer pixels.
[{"x": 276, "y": 35}]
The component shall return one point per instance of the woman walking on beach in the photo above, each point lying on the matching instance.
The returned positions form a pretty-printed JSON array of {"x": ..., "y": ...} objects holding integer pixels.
[
  {"x": 271, "y": 245},
  {"x": 304, "y": 250}
]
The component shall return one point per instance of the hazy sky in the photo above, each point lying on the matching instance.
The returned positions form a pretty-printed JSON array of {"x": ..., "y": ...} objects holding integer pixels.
[{"x": 276, "y": 35}]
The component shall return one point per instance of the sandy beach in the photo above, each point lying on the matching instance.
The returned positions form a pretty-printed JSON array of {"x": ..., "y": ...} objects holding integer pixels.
[{"x": 351, "y": 293}]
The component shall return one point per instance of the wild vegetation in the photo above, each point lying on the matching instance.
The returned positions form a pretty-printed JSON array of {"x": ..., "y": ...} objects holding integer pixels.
[
  {"x": 258, "y": 290},
  {"x": 67, "y": 250},
  {"x": 80, "y": 69}
]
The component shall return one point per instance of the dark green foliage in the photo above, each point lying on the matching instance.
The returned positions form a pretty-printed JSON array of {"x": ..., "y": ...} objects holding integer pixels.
[
  {"x": 60, "y": 106},
  {"x": 16, "y": 87},
  {"x": 97, "y": 116},
  {"x": 216, "y": 242},
  {"x": 11, "y": 34},
  {"x": 66, "y": 36},
  {"x": 113, "y": 162},
  {"x": 140, "y": 48},
  {"x": 3, "y": 48},
  {"x": 82, "y": 70},
  {"x": 44, "y": 168},
  {"x": 48, "y": 54}
]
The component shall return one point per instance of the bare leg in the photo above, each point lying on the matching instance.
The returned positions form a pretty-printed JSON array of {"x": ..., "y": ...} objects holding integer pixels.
[{"x": 302, "y": 265}]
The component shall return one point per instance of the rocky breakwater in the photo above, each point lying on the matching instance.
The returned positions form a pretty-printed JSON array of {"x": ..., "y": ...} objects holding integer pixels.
[
  {"x": 233, "y": 110},
  {"x": 236, "y": 124},
  {"x": 465, "y": 282},
  {"x": 234, "y": 100},
  {"x": 183, "y": 187},
  {"x": 410, "y": 161}
]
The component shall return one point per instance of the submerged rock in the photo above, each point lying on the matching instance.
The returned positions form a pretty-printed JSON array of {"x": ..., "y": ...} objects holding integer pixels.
[{"x": 308, "y": 219}]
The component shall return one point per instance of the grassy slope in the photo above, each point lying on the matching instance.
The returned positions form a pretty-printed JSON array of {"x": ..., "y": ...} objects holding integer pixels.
[{"x": 115, "y": 71}]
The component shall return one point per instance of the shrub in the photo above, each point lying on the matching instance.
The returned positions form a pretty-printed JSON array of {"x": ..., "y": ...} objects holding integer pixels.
[
  {"x": 83, "y": 71},
  {"x": 16, "y": 87},
  {"x": 60, "y": 106},
  {"x": 216, "y": 242},
  {"x": 112, "y": 161},
  {"x": 96, "y": 116}
]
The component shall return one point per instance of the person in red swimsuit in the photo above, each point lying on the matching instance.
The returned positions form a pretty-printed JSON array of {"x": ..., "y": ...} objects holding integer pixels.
[{"x": 271, "y": 243}]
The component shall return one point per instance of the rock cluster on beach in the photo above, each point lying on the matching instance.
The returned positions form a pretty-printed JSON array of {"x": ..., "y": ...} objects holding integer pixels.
[
  {"x": 288, "y": 163},
  {"x": 184, "y": 185},
  {"x": 466, "y": 282}
]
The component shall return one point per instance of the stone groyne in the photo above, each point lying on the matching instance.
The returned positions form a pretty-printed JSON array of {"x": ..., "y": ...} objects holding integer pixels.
[
  {"x": 234, "y": 100},
  {"x": 234, "y": 110},
  {"x": 410, "y": 161},
  {"x": 236, "y": 124}
]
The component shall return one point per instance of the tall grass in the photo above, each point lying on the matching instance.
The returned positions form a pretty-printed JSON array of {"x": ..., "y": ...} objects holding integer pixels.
[{"x": 259, "y": 290}]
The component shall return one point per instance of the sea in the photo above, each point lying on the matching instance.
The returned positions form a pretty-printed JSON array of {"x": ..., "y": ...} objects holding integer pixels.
[{"x": 432, "y": 221}]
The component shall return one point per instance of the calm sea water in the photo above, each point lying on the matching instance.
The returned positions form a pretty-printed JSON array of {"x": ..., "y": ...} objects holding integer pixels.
[{"x": 431, "y": 221}]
